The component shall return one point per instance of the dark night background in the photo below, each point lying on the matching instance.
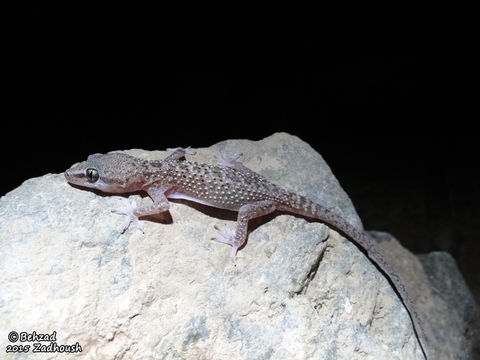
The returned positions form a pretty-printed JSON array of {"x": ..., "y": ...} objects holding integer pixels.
[{"x": 396, "y": 129}]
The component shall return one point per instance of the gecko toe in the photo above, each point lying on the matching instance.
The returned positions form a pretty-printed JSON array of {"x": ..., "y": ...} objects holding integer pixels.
[
  {"x": 233, "y": 255},
  {"x": 225, "y": 235}
]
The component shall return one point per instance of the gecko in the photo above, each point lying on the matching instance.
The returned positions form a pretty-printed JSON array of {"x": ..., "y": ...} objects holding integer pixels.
[{"x": 228, "y": 185}]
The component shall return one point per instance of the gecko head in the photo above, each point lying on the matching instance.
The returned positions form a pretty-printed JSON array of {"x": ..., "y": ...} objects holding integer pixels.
[{"x": 113, "y": 172}]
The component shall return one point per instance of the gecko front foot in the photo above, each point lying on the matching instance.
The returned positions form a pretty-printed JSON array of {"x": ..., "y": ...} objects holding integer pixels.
[
  {"x": 129, "y": 207},
  {"x": 227, "y": 236},
  {"x": 188, "y": 150},
  {"x": 228, "y": 160}
]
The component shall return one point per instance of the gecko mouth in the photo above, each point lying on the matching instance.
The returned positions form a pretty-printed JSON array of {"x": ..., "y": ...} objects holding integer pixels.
[{"x": 70, "y": 177}]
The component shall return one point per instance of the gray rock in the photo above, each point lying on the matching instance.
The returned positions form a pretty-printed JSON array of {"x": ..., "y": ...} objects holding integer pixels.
[
  {"x": 298, "y": 291},
  {"x": 454, "y": 304},
  {"x": 442, "y": 297}
]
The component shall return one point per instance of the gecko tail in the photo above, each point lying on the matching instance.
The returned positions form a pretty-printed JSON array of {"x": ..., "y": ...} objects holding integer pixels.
[{"x": 301, "y": 205}]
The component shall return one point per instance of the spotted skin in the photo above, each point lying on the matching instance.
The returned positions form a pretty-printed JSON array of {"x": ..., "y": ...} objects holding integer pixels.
[{"x": 229, "y": 185}]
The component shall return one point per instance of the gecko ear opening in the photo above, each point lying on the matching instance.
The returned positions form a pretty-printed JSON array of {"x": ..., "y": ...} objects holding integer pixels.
[{"x": 91, "y": 174}]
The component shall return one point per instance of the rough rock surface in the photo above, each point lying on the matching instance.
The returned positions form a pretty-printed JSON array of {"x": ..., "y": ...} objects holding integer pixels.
[{"x": 298, "y": 291}]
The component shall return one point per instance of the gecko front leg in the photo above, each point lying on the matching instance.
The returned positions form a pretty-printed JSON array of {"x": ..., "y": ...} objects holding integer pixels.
[
  {"x": 179, "y": 152},
  {"x": 236, "y": 238},
  {"x": 160, "y": 204},
  {"x": 231, "y": 161}
]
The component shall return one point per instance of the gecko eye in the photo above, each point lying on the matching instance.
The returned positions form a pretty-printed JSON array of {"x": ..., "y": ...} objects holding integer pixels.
[{"x": 91, "y": 174}]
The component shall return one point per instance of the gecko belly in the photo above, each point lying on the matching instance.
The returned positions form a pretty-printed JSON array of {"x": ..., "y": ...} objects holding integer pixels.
[
  {"x": 177, "y": 195},
  {"x": 219, "y": 205}
]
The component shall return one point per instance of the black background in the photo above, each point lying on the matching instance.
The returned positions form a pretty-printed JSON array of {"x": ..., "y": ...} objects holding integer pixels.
[{"x": 397, "y": 128}]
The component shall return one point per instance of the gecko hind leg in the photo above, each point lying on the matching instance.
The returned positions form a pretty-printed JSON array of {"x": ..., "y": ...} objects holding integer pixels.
[{"x": 236, "y": 238}]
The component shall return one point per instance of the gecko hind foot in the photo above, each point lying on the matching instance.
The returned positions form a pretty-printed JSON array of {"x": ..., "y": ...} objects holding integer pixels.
[
  {"x": 227, "y": 236},
  {"x": 128, "y": 209}
]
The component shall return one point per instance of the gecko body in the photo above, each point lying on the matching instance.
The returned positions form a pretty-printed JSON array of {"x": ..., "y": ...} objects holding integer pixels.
[{"x": 229, "y": 185}]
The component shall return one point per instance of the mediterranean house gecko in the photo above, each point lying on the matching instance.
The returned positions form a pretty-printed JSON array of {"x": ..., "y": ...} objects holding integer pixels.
[{"x": 229, "y": 185}]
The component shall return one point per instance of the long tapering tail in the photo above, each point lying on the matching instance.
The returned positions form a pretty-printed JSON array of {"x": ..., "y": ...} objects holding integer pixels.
[{"x": 303, "y": 206}]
